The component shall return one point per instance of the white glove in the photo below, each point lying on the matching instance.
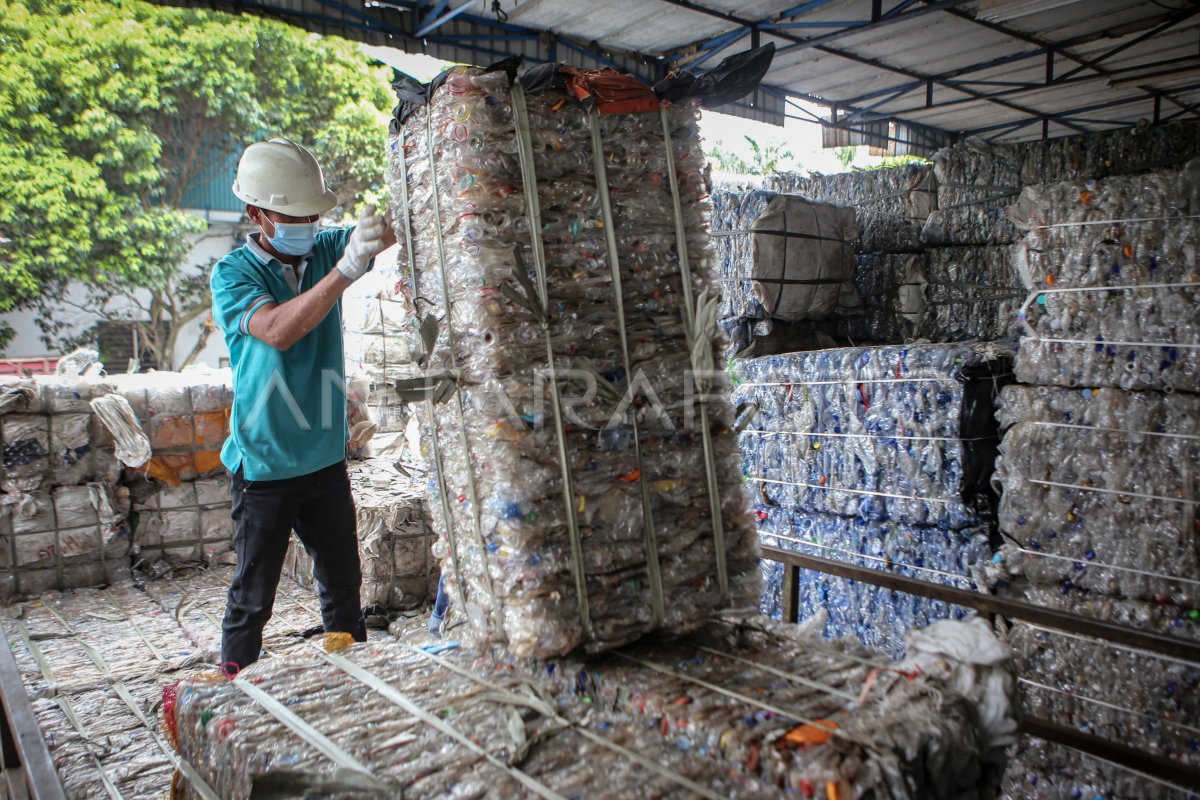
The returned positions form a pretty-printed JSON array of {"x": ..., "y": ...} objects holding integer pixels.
[{"x": 365, "y": 243}]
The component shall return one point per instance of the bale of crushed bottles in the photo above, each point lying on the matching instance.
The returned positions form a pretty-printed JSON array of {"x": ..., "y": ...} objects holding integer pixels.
[
  {"x": 900, "y": 433},
  {"x": 395, "y": 538},
  {"x": 185, "y": 417},
  {"x": 977, "y": 180},
  {"x": 971, "y": 294},
  {"x": 1111, "y": 270},
  {"x": 879, "y": 457},
  {"x": 1130, "y": 696},
  {"x": 63, "y": 516},
  {"x": 783, "y": 257},
  {"x": 891, "y": 204},
  {"x": 1084, "y": 683},
  {"x": 94, "y": 663},
  {"x": 580, "y": 486},
  {"x": 62, "y": 537},
  {"x": 188, "y": 523},
  {"x": 892, "y": 287},
  {"x": 949, "y": 294},
  {"x": 879, "y": 618},
  {"x": 379, "y": 345},
  {"x": 1042, "y": 769},
  {"x": 735, "y": 713},
  {"x": 49, "y": 435},
  {"x": 1086, "y": 501}
]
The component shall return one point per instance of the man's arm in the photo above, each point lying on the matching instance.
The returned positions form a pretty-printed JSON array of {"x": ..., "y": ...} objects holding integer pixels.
[{"x": 282, "y": 325}]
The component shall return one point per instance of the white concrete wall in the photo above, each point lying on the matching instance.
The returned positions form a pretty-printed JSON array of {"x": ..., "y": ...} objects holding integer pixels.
[{"x": 219, "y": 239}]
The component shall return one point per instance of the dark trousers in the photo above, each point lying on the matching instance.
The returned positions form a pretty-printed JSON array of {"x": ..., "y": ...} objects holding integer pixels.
[
  {"x": 441, "y": 603},
  {"x": 320, "y": 508}
]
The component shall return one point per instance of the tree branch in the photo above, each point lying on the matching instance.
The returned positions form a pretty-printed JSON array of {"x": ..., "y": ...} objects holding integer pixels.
[{"x": 206, "y": 330}]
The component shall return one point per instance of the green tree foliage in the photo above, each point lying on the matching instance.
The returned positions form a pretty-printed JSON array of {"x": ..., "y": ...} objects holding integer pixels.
[
  {"x": 889, "y": 162},
  {"x": 845, "y": 155},
  {"x": 765, "y": 159},
  {"x": 112, "y": 110}
]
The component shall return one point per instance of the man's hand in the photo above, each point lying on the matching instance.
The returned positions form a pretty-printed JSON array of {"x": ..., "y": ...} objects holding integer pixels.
[{"x": 366, "y": 242}]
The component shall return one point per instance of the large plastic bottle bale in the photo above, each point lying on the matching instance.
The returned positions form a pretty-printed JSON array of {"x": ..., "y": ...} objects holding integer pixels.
[{"x": 599, "y": 522}]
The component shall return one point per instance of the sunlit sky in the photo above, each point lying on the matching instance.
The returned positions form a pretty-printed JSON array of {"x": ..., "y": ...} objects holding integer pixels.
[{"x": 802, "y": 139}]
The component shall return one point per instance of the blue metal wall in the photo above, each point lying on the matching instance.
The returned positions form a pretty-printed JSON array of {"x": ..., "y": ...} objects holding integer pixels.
[{"x": 212, "y": 191}]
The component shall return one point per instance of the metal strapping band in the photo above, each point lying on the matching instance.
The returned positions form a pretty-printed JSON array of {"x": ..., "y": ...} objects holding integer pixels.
[
  {"x": 833, "y": 488},
  {"x": 814, "y": 644},
  {"x": 68, "y": 712},
  {"x": 637, "y": 758},
  {"x": 821, "y": 687},
  {"x": 1104, "y": 343},
  {"x": 1101, "y": 490},
  {"x": 373, "y": 681},
  {"x": 1124, "y": 221},
  {"x": 433, "y": 437},
  {"x": 317, "y": 740},
  {"x": 693, "y": 336},
  {"x": 462, "y": 429},
  {"x": 610, "y": 235},
  {"x": 194, "y": 778},
  {"x": 382, "y": 687},
  {"x": 1085, "y": 562},
  {"x": 889, "y": 563},
  {"x": 530, "y": 183},
  {"x": 897, "y": 437},
  {"x": 732, "y": 695},
  {"x": 1076, "y": 696},
  {"x": 1104, "y": 643}
]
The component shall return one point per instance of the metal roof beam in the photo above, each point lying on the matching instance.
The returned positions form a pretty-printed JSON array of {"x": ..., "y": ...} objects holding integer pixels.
[
  {"x": 1170, "y": 22},
  {"x": 370, "y": 20},
  {"x": 438, "y": 8},
  {"x": 718, "y": 45},
  {"x": 791, "y": 99},
  {"x": 1152, "y": 93},
  {"x": 775, "y": 24},
  {"x": 1043, "y": 46},
  {"x": 863, "y": 112},
  {"x": 882, "y": 21},
  {"x": 1009, "y": 127},
  {"x": 432, "y": 25},
  {"x": 919, "y": 77},
  {"x": 896, "y": 9},
  {"x": 1124, "y": 101},
  {"x": 796, "y": 11},
  {"x": 1061, "y": 48}
]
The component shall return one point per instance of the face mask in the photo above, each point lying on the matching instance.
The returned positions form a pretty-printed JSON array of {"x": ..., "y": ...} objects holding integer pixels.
[{"x": 293, "y": 238}]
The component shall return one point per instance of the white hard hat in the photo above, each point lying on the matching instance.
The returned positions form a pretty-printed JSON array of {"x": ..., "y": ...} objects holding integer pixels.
[{"x": 282, "y": 176}]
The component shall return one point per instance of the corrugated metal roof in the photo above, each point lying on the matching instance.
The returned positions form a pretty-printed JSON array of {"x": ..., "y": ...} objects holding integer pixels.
[{"x": 1005, "y": 69}]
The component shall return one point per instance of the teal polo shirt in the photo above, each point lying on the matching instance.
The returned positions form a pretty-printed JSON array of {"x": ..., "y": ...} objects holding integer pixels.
[{"x": 289, "y": 406}]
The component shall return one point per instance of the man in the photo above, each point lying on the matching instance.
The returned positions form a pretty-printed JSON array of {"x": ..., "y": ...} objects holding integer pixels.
[{"x": 277, "y": 300}]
